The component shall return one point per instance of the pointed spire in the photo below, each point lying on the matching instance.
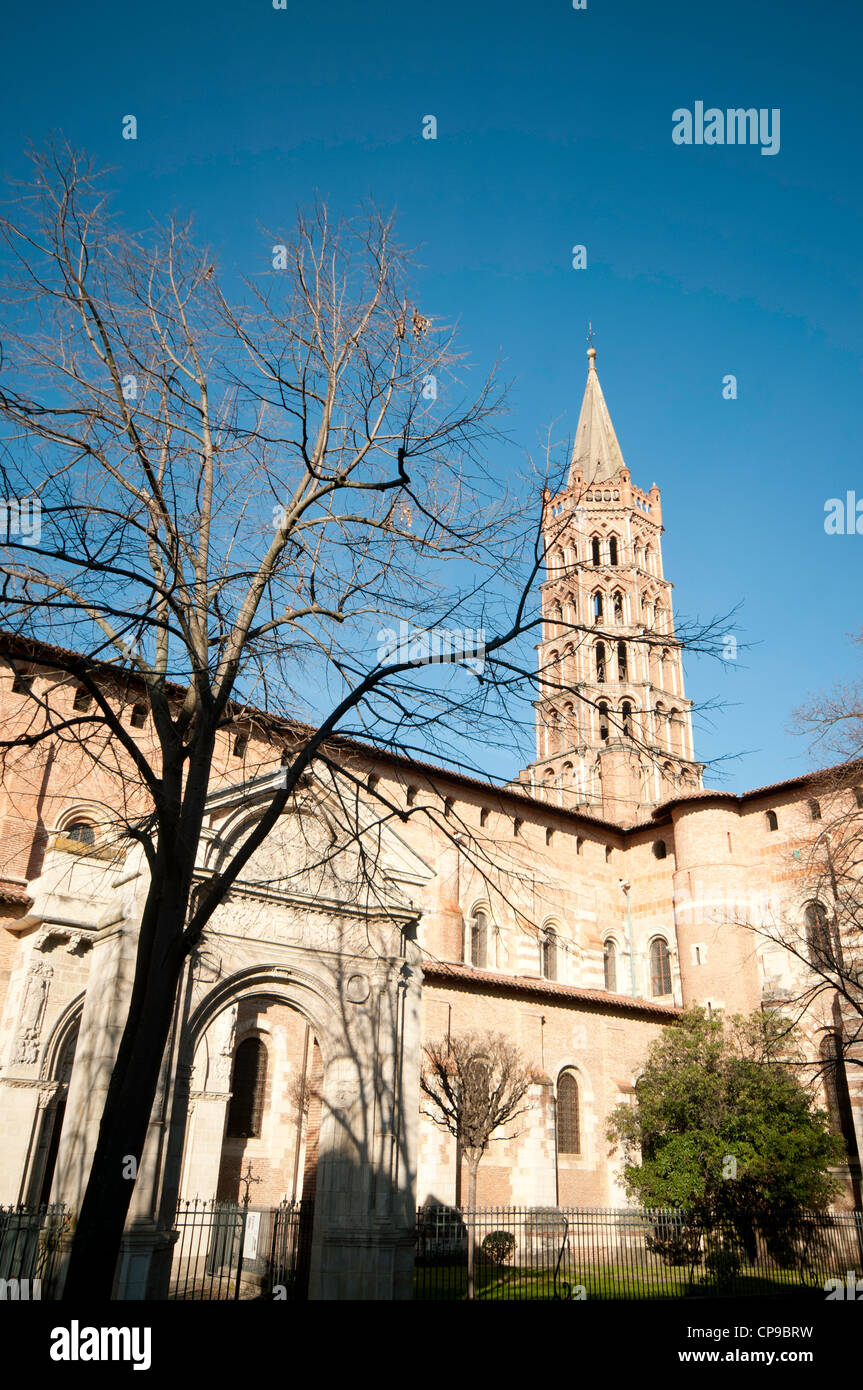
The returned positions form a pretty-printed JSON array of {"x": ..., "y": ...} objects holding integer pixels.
[{"x": 596, "y": 452}]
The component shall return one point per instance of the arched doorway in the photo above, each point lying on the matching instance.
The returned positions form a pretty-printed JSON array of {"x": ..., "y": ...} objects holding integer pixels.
[{"x": 60, "y": 1071}]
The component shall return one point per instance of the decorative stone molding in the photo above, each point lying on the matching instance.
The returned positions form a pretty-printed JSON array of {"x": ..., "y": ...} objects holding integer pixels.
[{"x": 78, "y": 940}]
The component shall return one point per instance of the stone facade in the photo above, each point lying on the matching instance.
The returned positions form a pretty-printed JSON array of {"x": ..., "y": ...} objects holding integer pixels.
[{"x": 575, "y": 910}]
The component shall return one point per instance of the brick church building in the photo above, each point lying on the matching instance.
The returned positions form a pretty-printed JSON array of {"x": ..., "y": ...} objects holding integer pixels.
[{"x": 576, "y": 910}]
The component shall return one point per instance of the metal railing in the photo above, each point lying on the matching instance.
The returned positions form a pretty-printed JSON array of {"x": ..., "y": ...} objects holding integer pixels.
[
  {"x": 230, "y": 1250},
  {"x": 29, "y": 1241},
  {"x": 531, "y": 1253}
]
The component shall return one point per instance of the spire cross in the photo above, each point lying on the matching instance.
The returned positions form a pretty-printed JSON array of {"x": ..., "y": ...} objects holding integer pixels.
[{"x": 589, "y": 334}]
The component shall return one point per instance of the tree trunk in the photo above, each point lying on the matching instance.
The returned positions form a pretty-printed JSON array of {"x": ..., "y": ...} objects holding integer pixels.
[
  {"x": 129, "y": 1100},
  {"x": 472, "y": 1167}
]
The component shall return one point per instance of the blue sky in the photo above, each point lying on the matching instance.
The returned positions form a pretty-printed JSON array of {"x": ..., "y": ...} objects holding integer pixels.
[{"x": 554, "y": 129}]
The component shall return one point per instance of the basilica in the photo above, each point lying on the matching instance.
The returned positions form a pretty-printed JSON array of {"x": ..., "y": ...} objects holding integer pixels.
[{"x": 576, "y": 909}]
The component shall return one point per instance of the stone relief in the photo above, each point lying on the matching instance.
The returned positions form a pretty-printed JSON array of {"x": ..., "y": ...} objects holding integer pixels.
[{"x": 32, "y": 1013}]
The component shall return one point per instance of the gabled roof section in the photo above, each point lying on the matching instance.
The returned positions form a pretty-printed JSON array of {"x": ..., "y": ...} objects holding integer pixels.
[{"x": 596, "y": 452}]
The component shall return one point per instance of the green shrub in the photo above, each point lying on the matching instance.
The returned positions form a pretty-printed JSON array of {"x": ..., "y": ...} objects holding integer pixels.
[{"x": 498, "y": 1246}]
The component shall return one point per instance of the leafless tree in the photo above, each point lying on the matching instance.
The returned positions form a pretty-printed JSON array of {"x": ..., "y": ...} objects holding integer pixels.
[
  {"x": 239, "y": 495},
  {"x": 474, "y": 1084}
]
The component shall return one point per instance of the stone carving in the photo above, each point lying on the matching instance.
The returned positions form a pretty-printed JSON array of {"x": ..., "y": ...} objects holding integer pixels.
[
  {"x": 76, "y": 941},
  {"x": 357, "y": 989},
  {"x": 222, "y": 1034},
  {"x": 32, "y": 1013}
]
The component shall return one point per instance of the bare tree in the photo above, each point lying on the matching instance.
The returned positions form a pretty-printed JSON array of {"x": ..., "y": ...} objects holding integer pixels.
[
  {"x": 474, "y": 1084},
  {"x": 235, "y": 494}
]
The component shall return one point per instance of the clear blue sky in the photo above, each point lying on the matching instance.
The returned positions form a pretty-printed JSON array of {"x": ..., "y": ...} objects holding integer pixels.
[{"x": 554, "y": 128}]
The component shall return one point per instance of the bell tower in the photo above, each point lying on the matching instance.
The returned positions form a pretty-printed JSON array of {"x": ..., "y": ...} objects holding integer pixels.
[{"x": 613, "y": 724}]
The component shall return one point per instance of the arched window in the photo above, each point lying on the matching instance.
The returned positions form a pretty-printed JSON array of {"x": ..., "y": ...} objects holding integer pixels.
[
  {"x": 621, "y": 661},
  {"x": 626, "y": 713},
  {"x": 609, "y": 965},
  {"x": 248, "y": 1082},
  {"x": 594, "y": 550},
  {"x": 817, "y": 923},
  {"x": 602, "y": 707},
  {"x": 612, "y": 550},
  {"x": 81, "y": 831},
  {"x": 618, "y": 606},
  {"x": 659, "y": 849},
  {"x": 771, "y": 820},
  {"x": 549, "y": 954},
  {"x": 139, "y": 715},
  {"x": 837, "y": 1093},
  {"x": 479, "y": 939},
  {"x": 568, "y": 1128},
  {"x": 660, "y": 967},
  {"x": 597, "y": 608},
  {"x": 600, "y": 662}
]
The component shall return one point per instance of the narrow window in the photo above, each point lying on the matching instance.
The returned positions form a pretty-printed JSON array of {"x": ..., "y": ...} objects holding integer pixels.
[
  {"x": 568, "y": 1133},
  {"x": 618, "y": 607},
  {"x": 372, "y": 781},
  {"x": 771, "y": 820},
  {"x": 600, "y": 662},
  {"x": 241, "y": 743},
  {"x": 597, "y": 608},
  {"x": 612, "y": 550},
  {"x": 516, "y": 826},
  {"x": 579, "y": 844},
  {"x": 621, "y": 661},
  {"x": 549, "y": 836},
  {"x": 660, "y": 968},
  {"x": 248, "y": 1081},
  {"x": 83, "y": 699},
  {"x": 479, "y": 939},
  {"x": 609, "y": 965},
  {"x": 549, "y": 955},
  {"x": 815, "y": 810},
  {"x": 448, "y": 804},
  {"x": 410, "y": 796},
  {"x": 594, "y": 550},
  {"x": 818, "y": 934},
  {"x": 659, "y": 849},
  {"x": 483, "y": 815},
  {"x": 626, "y": 712},
  {"x": 603, "y": 721},
  {"x": 139, "y": 715}
]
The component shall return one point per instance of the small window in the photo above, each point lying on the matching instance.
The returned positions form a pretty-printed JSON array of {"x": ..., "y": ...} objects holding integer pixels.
[
  {"x": 603, "y": 720},
  {"x": 597, "y": 608},
  {"x": 241, "y": 743},
  {"x": 612, "y": 550},
  {"x": 608, "y": 853},
  {"x": 609, "y": 965},
  {"x": 479, "y": 939},
  {"x": 81, "y": 831},
  {"x": 626, "y": 712},
  {"x": 817, "y": 923},
  {"x": 448, "y": 804},
  {"x": 139, "y": 715},
  {"x": 660, "y": 967},
  {"x": 372, "y": 781},
  {"x": 771, "y": 820},
  {"x": 659, "y": 849},
  {"x": 22, "y": 682},
  {"x": 410, "y": 796},
  {"x": 516, "y": 826},
  {"x": 83, "y": 699},
  {"x": 579, "y": 844},
  {"x": 483, "y": 815},
  {"x": 618, "y": 607},
  {"x": 568, "y": 1130},
  {"x": 549, "y": 836},
  {"x": 594, "y": 551},
  {"x": 600, "y": 663},
  {"x": 549, "y": 955},
  {"x": 814, "y": 810},
  {"x": 248, "y": 1083},
  {"x": 621, "y": 661}
]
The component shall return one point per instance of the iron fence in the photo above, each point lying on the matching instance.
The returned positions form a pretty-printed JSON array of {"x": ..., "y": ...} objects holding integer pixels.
[
  {"x": 29, "y": 1241},
  {"x": 230, "y": 1250},
  {"x": 531, "y": 1253}
]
